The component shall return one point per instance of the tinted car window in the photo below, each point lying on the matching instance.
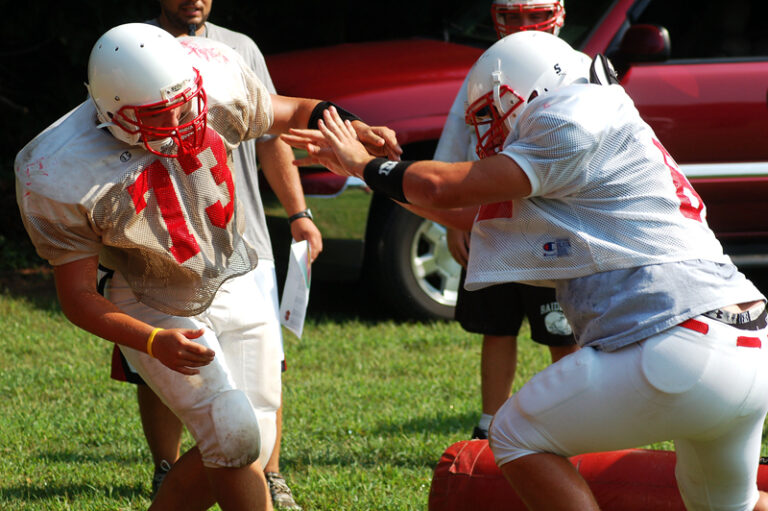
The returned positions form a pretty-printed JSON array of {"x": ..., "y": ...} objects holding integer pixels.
[
  {"x": 581, "y": 18},
  {"x": 712, "y": 30},
  {"x": 473, "y": 25}
]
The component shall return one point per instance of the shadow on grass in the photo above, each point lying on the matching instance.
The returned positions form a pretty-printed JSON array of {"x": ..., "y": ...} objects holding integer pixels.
[
  {"x": 442, "y": 423},
  {"x": 44, "y": 491},
  {"x": 457, "y": 426},
  {"x": 78, "y": 457},
  {"x": 33, "y": 284},
  {"x": 350, "y": 300},
  {"x": 342, "y": 301}
]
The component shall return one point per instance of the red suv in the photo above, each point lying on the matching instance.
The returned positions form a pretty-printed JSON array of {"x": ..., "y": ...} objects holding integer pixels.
[{"x": 698, "y": 74}]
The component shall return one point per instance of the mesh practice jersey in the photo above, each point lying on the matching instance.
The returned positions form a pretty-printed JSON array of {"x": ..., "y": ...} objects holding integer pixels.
[
  {"x": 171, "y": 226},
  {"x": 606, "y": 195}
]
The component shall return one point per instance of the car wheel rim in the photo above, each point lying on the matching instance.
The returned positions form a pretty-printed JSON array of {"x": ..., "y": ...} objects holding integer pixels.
[{"x": 435, "y": 270}]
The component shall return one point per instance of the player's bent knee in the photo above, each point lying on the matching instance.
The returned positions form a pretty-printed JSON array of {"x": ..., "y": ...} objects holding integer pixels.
[
  {"x": 505, "y": 444},
  {"x": 236, "y": 429}
]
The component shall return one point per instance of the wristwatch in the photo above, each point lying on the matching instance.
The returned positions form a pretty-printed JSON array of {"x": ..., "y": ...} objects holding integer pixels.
[{"x": 301, "y": 214}]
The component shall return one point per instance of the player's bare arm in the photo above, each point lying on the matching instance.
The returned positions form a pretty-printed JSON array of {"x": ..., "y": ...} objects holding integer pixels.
[
  {"x": 86, "y": 308},
  {"x": 429, "y": 184},
  {"x": 276, "y": 158}
]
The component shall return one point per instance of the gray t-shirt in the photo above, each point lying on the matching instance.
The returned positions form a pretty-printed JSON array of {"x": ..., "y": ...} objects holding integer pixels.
[
  {"x": 246, "y": 169},
  {"x": 612, "y": 309}
]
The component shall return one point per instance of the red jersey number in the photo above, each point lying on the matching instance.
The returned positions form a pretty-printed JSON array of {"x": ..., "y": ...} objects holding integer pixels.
[
  {"x": 157, "y": 178},
  {"x": 691, "y": 205}
]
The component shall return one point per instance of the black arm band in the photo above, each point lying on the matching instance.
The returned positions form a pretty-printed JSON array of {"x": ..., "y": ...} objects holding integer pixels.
[
  {"x": 317, "y": 114},
  {"x": 386, "y": 177}
]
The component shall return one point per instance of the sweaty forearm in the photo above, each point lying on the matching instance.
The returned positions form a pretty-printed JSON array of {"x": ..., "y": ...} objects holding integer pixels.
[{"x": 276, "y": 159}]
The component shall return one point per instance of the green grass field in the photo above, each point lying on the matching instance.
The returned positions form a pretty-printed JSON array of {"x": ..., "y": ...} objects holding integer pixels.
[{"x": 370, "y": 405}]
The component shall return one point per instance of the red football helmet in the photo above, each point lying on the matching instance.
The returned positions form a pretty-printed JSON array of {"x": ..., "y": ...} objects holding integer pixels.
[{"x": 510, "y": 16}]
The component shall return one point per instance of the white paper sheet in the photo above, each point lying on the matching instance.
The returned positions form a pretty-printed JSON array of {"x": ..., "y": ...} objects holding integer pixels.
[{"x": 293, "y": 305}]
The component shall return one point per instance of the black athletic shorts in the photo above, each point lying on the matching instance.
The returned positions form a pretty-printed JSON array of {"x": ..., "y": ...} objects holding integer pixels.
[{"x": 500, "y": 309}]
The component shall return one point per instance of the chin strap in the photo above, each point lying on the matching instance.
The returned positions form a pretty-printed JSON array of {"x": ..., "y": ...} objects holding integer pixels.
[{"x": 601, "y": 71}]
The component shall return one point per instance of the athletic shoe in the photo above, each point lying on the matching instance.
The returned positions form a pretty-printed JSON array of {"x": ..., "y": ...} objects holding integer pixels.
[
  {"x": 281, "y": 494},
  {"x": 157, "y": 478},
  {"x": 479, "y": 434}
]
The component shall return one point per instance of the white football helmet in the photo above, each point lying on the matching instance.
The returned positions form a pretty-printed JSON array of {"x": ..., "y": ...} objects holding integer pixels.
[
  {"x": 509, "y": 75},
  {"x": 146, "y": 90},
  {"x": 510, "y": 16}
]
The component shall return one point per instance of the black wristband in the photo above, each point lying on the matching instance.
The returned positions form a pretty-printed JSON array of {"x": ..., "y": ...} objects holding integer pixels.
[
  {"x": 317, "y": 114},
  {"x": 386, "y": 177},
  {"x": 306, "y": 213}
]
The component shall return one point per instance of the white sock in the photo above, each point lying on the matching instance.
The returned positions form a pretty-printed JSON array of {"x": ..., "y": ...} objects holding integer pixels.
[{"x": 485, "y": 422}]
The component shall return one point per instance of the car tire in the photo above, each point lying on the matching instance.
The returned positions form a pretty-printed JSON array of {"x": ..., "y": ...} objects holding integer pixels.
[{"x": 414, "y": 272}]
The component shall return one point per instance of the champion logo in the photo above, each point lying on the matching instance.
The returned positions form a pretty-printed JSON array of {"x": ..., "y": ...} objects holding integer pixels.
[
  {"x": 386, "y": 167},
  {"x": 557, "y": 248}
]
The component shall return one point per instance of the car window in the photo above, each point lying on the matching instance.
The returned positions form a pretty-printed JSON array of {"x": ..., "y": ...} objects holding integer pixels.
[
  {"x": 713, "y": 29},
  {"x": 472, "y": 24},
  {"x": 581, "y": 18}
]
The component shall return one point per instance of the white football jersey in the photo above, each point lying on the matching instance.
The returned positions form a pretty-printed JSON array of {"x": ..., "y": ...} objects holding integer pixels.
[
  {"x": 171, "y": 226},
  {"x": 606, "y": 195}
]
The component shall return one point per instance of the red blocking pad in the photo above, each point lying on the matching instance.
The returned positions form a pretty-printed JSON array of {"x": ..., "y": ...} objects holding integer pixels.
[{"x": 467, "y": 479}]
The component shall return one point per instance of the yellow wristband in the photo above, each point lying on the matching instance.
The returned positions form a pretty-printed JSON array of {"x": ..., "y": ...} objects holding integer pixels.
[{"x": 151, "y": 340}]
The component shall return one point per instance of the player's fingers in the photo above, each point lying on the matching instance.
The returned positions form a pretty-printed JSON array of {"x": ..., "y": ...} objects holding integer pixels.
[
  {"x": 185, "y": 370},
  {"x": 333, "y": 126},
  {"x": 192, "y": 334},
  {"x": 312, "y": 134},
  {"x": 392, "y": 148},
  {"x": 198, "y": 351},
  {"x": 329, "y": 131},
  {"x": 193, "y": 362},
  {"x": 350, "y": 130},
  {"x": 343, "y": 129}
]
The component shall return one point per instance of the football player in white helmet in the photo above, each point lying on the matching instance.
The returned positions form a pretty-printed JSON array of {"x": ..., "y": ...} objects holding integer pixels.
[
  {"x": 503, "y": 82},
  {"x": 158, "y": 103},
  {"x": 498, "y": 312},
  {"x": 579, "y": 194},
  {"x": 510, "y": 16},
  {"x": 137, "y": 182},
  {"x": 266, "y": 157}
]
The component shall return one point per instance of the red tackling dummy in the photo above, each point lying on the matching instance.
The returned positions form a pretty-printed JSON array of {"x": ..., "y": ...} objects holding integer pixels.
[{"x": 467, "y": 479}]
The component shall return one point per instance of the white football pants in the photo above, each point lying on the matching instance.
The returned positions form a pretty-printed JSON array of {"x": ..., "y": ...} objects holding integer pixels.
[{"x": 705, "y": 388}]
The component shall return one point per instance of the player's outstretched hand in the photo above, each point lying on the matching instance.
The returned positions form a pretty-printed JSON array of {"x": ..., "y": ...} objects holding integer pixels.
[
  {"x": 343, "y": 146},
  {"x": 175, "y": 350},
  {"x": 378, "y": 140}
]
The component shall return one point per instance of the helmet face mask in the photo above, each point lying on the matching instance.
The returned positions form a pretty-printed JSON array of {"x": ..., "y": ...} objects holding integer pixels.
[
  {"x": 152, "y": 121},
  {"x": 510, "y": 17},
  {"x": 490, "y": 125},
  {"x": 146, "y": 91}
]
